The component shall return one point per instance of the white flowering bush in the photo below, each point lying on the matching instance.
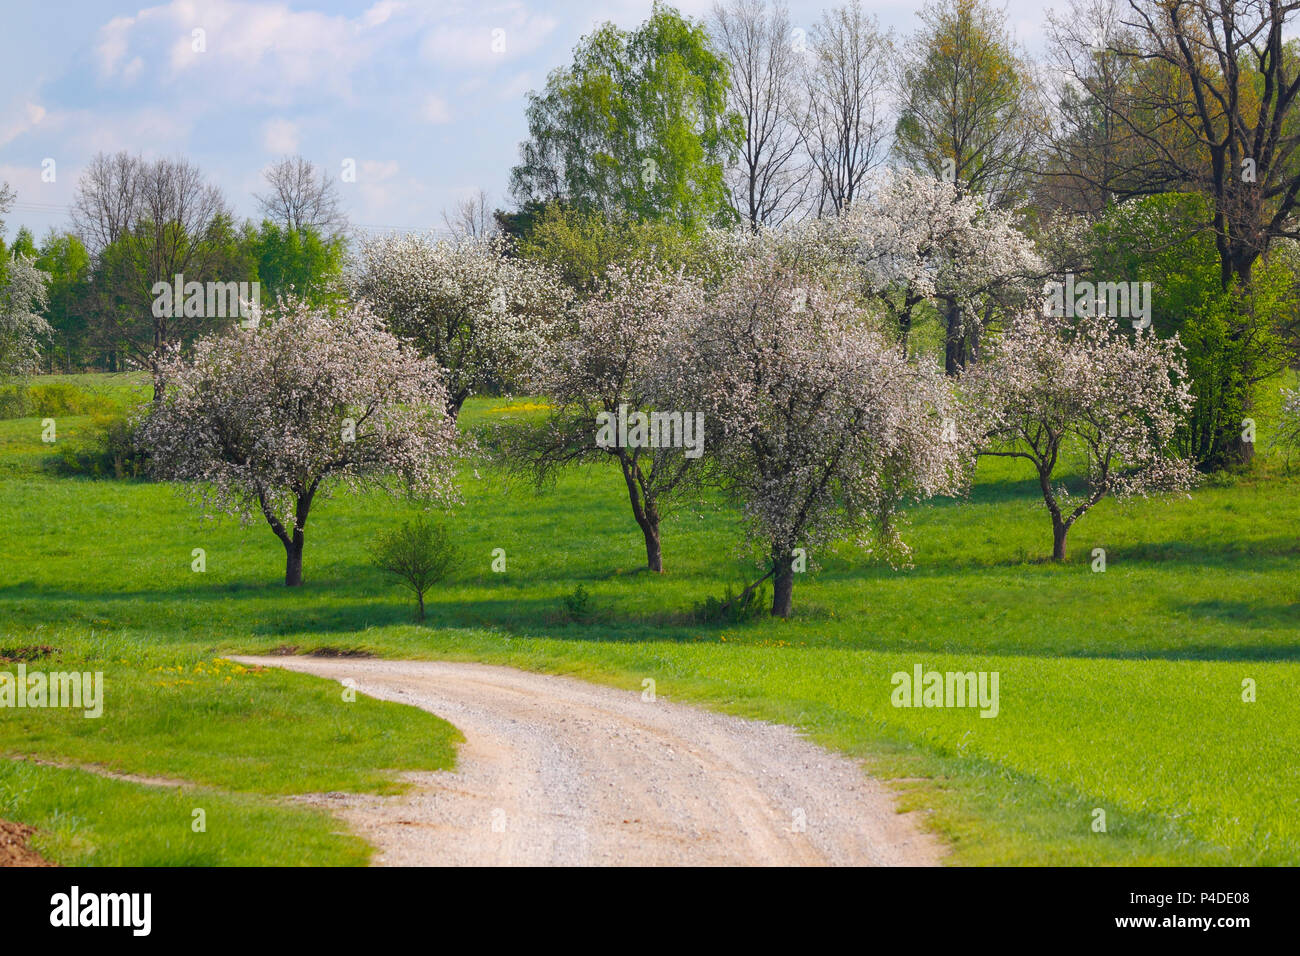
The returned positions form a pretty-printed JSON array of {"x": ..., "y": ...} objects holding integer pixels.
[
  {"x": 603, "y": 367},
  {"x": 1288, "y": 430},
  {"x": 819, "y": 425},
  {"x": 265, "y": 420},
  {"x": 480, "y": 312},
  {"x": 23, "y": 298},
  {"x": 1089, "y": 395}
]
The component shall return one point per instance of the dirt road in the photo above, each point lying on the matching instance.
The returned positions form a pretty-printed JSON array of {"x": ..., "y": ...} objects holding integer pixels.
[{"x": 556, "y": 771}]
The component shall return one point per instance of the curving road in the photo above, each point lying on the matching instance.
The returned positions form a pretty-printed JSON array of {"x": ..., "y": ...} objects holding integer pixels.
[{"x": 556, "y": 771}]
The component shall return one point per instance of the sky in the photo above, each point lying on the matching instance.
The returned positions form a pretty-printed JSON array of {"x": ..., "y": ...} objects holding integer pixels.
[{"x": 424, "y": 100}]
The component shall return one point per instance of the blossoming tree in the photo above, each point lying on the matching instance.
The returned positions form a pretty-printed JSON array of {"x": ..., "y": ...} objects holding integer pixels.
[
  {"x": 1093, "y": 394},
  {"x": 600, "y": 377},
  {"x": 1288, "y": 427},
  {"x": 919, "y": 240},
  {"x": 819, "y": 425},
  {"x": 479, "y": 312},
  {"x": 23, "y": 297},
  {"x": 262, "y": 420}
]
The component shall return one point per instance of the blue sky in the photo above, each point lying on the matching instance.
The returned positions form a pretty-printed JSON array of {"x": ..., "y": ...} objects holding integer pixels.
[{"x": 427, "y": 98}]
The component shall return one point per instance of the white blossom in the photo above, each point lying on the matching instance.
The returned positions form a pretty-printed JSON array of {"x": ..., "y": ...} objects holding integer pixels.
[
  {"x": 480, "y": 312},
  {"x": 820, "y": 426},
  {"x": 1088, "y": 394},
  {"x": 917, "y": 238},
  {"x": 259, "y": 418},
  {"x": 23, "y": 298},
  {"x": 606, "y": 363}
]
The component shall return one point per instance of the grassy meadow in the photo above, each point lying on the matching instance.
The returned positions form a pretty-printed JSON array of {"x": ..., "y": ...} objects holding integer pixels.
[{"x": 1121, "y": 691}]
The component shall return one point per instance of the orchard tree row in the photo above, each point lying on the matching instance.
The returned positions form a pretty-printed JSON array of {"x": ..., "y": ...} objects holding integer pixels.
[{"x": 774, "y": 374}]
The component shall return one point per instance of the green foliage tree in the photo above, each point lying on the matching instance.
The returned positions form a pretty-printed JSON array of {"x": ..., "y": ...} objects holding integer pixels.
[
  {"x": 967, "y": 101},
  {"x": 420, "y": 554},
  {"x": 637, "y": 125},
  {"x": 145, "y": 222},
  {"x": 1236, "y": 338},
  {"x": 300, "y": 262},
  {"x": 64, "y": 258},
  {"x": 24, "y": 244},
  {"x": 581, "y": 246}
]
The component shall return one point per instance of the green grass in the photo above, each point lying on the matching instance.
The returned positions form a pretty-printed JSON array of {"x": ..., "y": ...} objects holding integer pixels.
[
  {"x": 217, "y": 723},
  {"x": 1120, "y": 691},
  {"x": 88, "y": 820}
]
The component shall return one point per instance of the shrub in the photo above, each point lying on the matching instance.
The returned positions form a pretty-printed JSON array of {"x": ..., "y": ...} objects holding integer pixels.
[
  {"x": 52, "y": 400},
  {"x": 420, "y": 553},
  {"x": 109, "y": 450},
  {"x": 577, "y": 604},
  {"x": 58, "y": 398},
  {"x": 734, "y": 606},
  {"x": 13, "y": 401}
]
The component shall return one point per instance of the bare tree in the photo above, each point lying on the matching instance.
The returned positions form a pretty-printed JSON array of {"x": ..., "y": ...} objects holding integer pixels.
[
  {"x": 471, "y": 218},
  {"x": 842, "y": 121},
  {"x": 1204, "y": 101},
  {"x": 1207, "y": 103},
  {"x": 145, "y": 223},
  {"x": 302, "y": 196},
  {"x": 770, "y": 181},
  {"x": 105, "y": 205},
  {"x": 1086, "y": 145}
]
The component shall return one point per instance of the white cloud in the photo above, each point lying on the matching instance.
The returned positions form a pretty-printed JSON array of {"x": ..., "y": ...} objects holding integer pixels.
[
  {"x": 259, "y": 52},
  {"x": 280, "y": 136},
  {"x": 381, "y": 12},
  {"x": 20, "y": 117},
  {"x": 114, "y": 37},
  {"x": 436, "y": 110},
  {"x": 490, "y": 37}
]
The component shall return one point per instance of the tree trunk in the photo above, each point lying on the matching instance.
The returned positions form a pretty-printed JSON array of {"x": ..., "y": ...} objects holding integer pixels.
[
  {"x": 783, "y": 586},
  {"x": 419, "y": 596},
  {"x": 1059, "y": 530},
  {"x": 1222, "y": 445},
  {"x": 644, "y": 511},
  {"x": 654, "y": 559},
  {"x": 293, "y": 564},
  {"x": 293, "y": 545},
  {"x": 954, "y": 345},
  {"x": 159, "y": 385}
]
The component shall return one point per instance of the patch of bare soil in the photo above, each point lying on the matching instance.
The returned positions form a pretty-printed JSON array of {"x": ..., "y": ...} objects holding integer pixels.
[
  {"x": 26, "y": 653},
  {"x": 14, "y": 850}
]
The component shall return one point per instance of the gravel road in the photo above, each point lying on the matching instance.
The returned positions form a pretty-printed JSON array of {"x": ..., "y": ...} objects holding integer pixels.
[{"x": 556, "y": 771}]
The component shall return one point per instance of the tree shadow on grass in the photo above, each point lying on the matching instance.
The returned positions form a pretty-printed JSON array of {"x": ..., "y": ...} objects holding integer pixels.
[
  {"x": 1249, "y": 614},
  {"x": 340, "y": 605},
  {"x": 1255, "y": 555},
  {"x": 996, "y": 493}
]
